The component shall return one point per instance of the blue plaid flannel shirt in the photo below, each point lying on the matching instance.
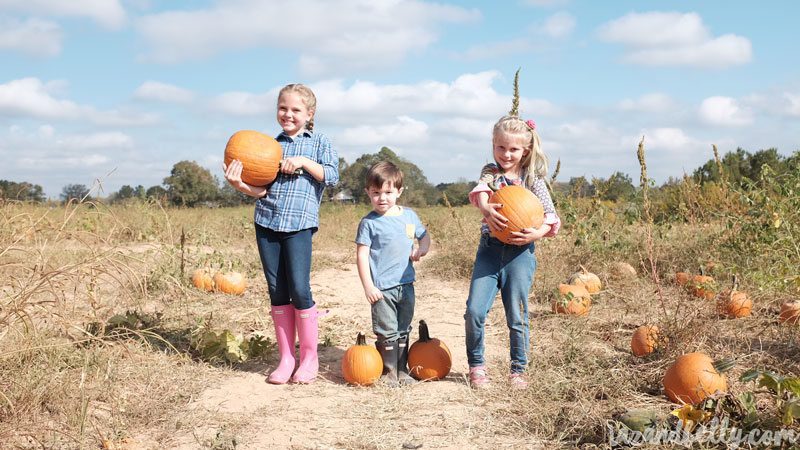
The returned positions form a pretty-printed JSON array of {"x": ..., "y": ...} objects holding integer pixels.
[{"x": 292, "y": 201}]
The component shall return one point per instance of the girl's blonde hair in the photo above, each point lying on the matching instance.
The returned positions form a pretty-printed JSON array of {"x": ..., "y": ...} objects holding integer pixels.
[
  {"x": 513, "y": 125},
  {"x": 307, "y": 95}
]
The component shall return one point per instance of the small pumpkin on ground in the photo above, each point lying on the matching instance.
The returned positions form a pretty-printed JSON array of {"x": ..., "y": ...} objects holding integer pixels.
[
  {"x": 201, "y": 279},
  {"x": 520, "y": 206},
  {"x": 790, "y": 313},
  {"x": 621, "y": 269},
  {"x": 429, "y": 358},
  {"x": 695, "y": 376},
  {"x": 572, "y": 300},
  {"x": 362, "y": 364},
  {"x": 733, "y": 303},
  {"x": 586, "y": 279},
  {"x": 641, "y": 419},
  {"x": 702, "y": 286},
  {"x": 681, "y": 278},
  {"x": 260, "y": 156},
  {"x": 230, "y": 282},
  {"x": 646, "y": 339}
]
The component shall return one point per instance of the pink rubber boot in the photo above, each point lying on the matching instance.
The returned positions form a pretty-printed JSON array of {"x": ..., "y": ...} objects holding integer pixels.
[
  {"x": 308, "y": 335},
  {"x": 283, "y": 316}
]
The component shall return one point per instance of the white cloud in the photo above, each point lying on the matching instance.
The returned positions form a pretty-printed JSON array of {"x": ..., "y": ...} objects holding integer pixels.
[
  {"x": 246, "y": 103},
  {"x": 32, "y": 98},
  {"x": 724, "y": 111},
  {"x": 162, "y": 92},
  {"x": 108, "y": 13},
  {"x": 351, "y": 35},
  {"x": 672, "y": 139},
  {"x": 97, "y": 141},
  {"x": 496, "y": 49},
  {"x": 29, "y": 97},
  {"x": 34, "y": 36},
  {"x": 558, "y": 25},
  {"x": 403, "y": 131},
  {"x": 672, "y": 39},
  {"x": 656, "y": 102},
  {"x": 793, "y": 103}
]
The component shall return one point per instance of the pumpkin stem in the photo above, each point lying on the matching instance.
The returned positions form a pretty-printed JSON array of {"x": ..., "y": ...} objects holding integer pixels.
[
  {"x": 583, "y": 269},
  {"x": 735, "y": 284},
  {"x": 702, "y": 271},
  {"x": 424, "y": 335},
  {"x": 361, "y": 339},
  {"x": 723, "y": 365}
]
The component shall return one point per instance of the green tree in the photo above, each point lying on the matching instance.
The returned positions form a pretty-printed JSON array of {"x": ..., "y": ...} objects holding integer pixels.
[
  {"x": 418, "y": 191},
  {"x": 740, "y": 165},
  {"x": 22, "y": 191},
  {"x": 156, "y": 192},
  {"x": 621, "y": 188},
  {"x": 190, "y": 184},
  {"x": 457, "y": 193},
  {"x": 76, "y": 191}
]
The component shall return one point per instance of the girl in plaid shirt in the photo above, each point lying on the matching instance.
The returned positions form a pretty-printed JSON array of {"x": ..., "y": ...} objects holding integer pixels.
[{"x": 286, "y": 217}]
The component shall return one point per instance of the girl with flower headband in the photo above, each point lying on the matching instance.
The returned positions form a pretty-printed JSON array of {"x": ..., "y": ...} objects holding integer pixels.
[{"x": 509, "y": 268}]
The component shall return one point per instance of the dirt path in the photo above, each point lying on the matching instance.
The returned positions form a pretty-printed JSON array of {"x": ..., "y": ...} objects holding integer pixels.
[{"x": 332, "y": 414}]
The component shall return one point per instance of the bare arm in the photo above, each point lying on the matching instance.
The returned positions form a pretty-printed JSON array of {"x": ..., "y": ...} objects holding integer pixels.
[
  {"x": 494, "y": 219},
  {"x": 233, "y": 174},
  {"x": 422, "y": 249},
  {"x": 372, "y": 293}
]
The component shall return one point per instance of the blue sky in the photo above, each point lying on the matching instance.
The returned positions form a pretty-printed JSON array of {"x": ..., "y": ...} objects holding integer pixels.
[{"x": 130, "y": 87}]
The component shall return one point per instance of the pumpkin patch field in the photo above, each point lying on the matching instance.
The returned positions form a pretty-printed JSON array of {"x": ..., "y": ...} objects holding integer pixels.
[{"x": 140, "y": 326}]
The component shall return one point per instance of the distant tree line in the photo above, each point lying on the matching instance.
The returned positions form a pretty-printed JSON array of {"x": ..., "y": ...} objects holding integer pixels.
[{"x": 191, "y": 185}]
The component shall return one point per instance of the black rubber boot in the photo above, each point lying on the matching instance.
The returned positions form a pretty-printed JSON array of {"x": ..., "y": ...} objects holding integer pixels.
[
  {"x": 388, "y": 351},
  {"x": 403, "y": 376}
]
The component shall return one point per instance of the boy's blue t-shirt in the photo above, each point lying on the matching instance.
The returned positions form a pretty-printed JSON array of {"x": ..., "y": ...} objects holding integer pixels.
[{"x": 390, "y": 240}]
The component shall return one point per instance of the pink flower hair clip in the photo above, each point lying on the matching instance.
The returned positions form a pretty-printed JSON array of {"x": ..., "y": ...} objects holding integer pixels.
[{"x": 531, "y": 124}]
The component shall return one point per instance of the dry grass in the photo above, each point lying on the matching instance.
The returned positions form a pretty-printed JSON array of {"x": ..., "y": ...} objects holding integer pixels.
[{"x": 67, "y": 380}]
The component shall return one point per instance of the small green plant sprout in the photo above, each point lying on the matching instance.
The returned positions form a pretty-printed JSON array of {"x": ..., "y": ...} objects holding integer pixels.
[
  {"x": 227, "y": 347},
  {"x": 788, "y": 387}
]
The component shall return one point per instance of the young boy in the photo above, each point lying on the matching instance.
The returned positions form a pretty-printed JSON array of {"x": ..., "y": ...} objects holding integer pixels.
[{"x": 384, "y": 254}]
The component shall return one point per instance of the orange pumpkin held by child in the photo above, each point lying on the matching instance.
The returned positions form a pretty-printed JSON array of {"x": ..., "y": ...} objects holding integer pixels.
[
  {"x": 521, "y": 207},
  {"x": 260, "y": 156}
]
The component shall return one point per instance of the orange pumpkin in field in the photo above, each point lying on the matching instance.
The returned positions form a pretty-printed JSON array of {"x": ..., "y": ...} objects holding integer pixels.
[
  {"x": 695, "y": 376},
  {"x": 231, "y": 282},
  {"x": 645, "y": 340},
  {"x": 790, "y": 313},
  {"x": 521, "y": 207},
  {"x": 201, "y": 279},
  {"x": 572, "y": 300},
  {"x": 362, "y": 365},
  {"x": 681, "y": 278},
  {"x": 702, "y": 286},
  {"x": 429, "y": 358},
  {"x": 586, "y": 279},
  {"x": 260, "y": 156}
]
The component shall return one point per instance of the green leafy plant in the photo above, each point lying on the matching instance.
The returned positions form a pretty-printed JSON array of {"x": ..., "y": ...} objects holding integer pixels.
[{"x": 781, "y": 386}]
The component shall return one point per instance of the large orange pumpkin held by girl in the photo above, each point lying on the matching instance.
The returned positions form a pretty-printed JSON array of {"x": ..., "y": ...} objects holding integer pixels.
[
  {"x": 521, "y": 207},
  {"x": 260, "y": 156}
]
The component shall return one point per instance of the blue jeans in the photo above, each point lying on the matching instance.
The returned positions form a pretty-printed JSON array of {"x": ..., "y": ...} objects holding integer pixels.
[
  {"x": 509, "y": 269},
  {"x": 286, "y": 260},
  {"x": 392, "y": 315}
]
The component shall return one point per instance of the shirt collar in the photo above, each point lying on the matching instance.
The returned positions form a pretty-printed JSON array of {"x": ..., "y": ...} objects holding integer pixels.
[{"x": 284, "y": 136}]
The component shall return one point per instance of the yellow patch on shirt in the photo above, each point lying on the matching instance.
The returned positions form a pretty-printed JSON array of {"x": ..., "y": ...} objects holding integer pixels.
[{"x": 410, "y": 230}]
